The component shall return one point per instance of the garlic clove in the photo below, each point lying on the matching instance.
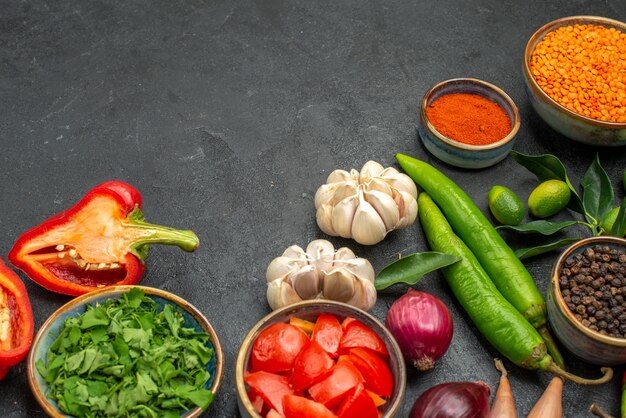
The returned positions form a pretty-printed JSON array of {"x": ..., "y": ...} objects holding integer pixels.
[
  {"x": 321, "y": 254},
  {"x": 344, "y": 191},
  {"x": 364, "y": 295},
  {"x": 344, "y": 253},
  {"x": 338, "y": 285},
  {"x": 385, "y": 206},
  {"x": 369, "y": 170},
  {"x": 380, "y": 185},
  {"x": 343, "y": 216},
  {"x": 324, "y": 217},
  {"x": 280, "y": 293},
  {"x": 367, "y": 226},
  {"x": 295, "y": 252},
  {"x": 360, "y": 267},
  {"x": 306, "y": 282},
  {"x": 280, "y": 267},
  {"x": 402, "y": 182},
  {"x": 338, "y": 176},
  {"x": 325, "y": 192},
  {"x": 407, "y": 206}
]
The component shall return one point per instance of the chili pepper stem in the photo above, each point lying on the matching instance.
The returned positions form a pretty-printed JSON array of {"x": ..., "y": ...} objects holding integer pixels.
[
  {"x": 607, "y": 375},
  {"x": 553, "y": 350},
  {"x": 159, "y": 234}
]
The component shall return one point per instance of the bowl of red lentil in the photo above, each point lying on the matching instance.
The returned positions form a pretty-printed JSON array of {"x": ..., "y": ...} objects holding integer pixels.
[
  {"x": 586, "y": 308},
  {"x": 468, "y": 123},
  {"x": 575, "y": 76}
]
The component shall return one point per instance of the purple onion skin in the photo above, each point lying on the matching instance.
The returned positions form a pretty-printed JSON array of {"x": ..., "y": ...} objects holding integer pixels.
[
  {"x": 453, "y": 400},
  {"x": 422, "y": 326}
]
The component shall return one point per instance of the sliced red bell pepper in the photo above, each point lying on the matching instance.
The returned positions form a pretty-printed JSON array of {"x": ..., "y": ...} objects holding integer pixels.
[
  {"x": 357, "y": 334},
  {"x": 271, "y": 387},
  {"x": 311, "y": 365},
  {"x": 299, "y": 407},
  {"x": 358, "y": 404},
  {"x": 327, "y": 332},
  {"x": 377, "y": 375},
  {"x": 16, "y": 320},
  {"x": 102, "y": 240},
  {"x": 331, "y": 390},
  {"x": 276, "y": 348}
]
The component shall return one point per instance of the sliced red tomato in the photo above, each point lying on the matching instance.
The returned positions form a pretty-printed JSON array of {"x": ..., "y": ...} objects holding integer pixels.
[
  {"x": 347, "y": 322},
  {"x": 332, "y": 389},
  {"x": 299, "y": 407},
  {"x": 271, "y": 387},
  {"x": 273, "y": 414},
  {"x": 358, "y": 404},
  {"x": 312, "y": 365},
  {"x": 357, "y": 334},
  {"x": 327, "y": 333},
  {"x": 378, "y": 401},
  {"x": 276, "y": 348},
  {"x": 256, "y": 401},
  {"x": 377, "y": 375}
]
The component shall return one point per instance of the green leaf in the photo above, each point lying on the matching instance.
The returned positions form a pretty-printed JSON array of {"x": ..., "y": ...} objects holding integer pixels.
[
  {"x": 93, "y": 318},
  {"x": 524, "y": 253},
  {"x": 540, "y": 227},
  {"x": 619, "y": 227},
  {"x": 412, "y": 268},
  {"x": 598, "y": 196},
  {"x": 548, "y": 167}
]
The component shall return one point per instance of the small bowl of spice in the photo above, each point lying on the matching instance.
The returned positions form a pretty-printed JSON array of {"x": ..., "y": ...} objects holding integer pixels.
[
  {"x": 585, "y": 302},
  {"x": 468, "y": 123},
  {"x": 575, "y": 76}
]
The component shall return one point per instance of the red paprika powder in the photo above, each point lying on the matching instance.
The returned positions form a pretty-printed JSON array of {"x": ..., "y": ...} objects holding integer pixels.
[{"x": 469, "y": 118}]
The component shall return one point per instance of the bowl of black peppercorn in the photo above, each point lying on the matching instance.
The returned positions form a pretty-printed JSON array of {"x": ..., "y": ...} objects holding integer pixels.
[{"x": 586, "y": 300}]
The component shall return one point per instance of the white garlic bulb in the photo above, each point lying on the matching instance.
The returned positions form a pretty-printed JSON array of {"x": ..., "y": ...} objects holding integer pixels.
[
  {"x": 320, "y": 272},
  {"x": 366, "y": 205}
]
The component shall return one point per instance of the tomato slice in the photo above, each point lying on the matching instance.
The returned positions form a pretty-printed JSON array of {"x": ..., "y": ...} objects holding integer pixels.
[
  {"x": 273, "y": 414},
  {"x": 327, "y": 333},
  {"x": 332, "y": 389},
  {"x": 377, "y": 375},
  {"x": 378, "y": 401},
  {"x": 358, "y": 405},
  {"x": 312, "y": 365},
  {"x": 271, "y": 387},
  {"x": 357, "y": 334},
  {"x": 276, "y": 348},
  {"x": 299, "y": 407},
  {"x": 256, "y": 401}
]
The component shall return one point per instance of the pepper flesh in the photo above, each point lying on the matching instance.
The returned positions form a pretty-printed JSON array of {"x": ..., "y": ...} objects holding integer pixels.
[
  {"x": 16, "y": 320},
  {"x": 100, "y": 241}
]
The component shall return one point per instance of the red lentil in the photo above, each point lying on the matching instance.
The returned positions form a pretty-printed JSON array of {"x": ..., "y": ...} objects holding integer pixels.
[{"x": 583, "y": 67}]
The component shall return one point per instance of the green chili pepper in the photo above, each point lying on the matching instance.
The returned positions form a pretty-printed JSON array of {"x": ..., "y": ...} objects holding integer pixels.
[
  {"x": 623, "y": 408},
  {"x": 498, "y": 259},
  {"x": 497, "y": 319}
]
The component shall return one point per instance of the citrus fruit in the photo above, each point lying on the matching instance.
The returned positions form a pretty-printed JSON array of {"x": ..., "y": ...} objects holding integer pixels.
[
  {"x": 505, "y": 206},
  {"x": 548, "y": 198}
]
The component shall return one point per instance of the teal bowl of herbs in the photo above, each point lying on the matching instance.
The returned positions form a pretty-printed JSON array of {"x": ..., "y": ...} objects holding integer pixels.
[{"x": 125, "y": 351}]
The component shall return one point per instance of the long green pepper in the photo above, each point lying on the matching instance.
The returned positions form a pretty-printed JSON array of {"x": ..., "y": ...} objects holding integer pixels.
[
  {"x": 497, "y": 319},
  {"x": 498, "y": 259}
]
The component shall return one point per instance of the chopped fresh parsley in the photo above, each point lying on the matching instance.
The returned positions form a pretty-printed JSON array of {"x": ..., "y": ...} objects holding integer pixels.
[{"x": 126, "y": 358}]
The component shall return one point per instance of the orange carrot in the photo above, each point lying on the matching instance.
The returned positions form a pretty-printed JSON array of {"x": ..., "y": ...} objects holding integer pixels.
[
  {"x": 503, "y": 403},
  {"x": 550, "y": 405}
]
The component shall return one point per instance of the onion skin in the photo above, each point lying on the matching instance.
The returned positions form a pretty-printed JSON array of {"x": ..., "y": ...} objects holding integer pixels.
[
  {"x": 453, "y": 400},
  {"x": 422, "y": 325}
]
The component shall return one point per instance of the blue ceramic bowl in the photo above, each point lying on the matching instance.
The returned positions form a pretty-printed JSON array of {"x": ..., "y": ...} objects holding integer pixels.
[
  {"x": 457, "y": 153},
  {"x": 581, "y": 341},
  {"x": 309, "y": 310},
  {"x": 570, "y": 124},
  {"x": 50, "y": 329}
]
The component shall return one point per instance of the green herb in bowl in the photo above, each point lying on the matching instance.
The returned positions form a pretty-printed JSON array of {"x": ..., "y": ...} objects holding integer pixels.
[{"x": 128, "y": 356}]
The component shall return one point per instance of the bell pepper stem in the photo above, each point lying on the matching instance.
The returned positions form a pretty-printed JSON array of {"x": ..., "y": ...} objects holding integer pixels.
[
  {"x": 553, "y": 350},
  {"x": 158, "y": 234}
]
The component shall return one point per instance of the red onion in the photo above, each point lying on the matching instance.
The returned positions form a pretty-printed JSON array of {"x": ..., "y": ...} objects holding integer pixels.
[
  {"x": 453, "y": 400},
  {"x": 422, "y": 326}
]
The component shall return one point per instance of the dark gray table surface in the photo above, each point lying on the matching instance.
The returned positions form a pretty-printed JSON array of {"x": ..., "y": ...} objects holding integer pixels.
[{"x": 228, "y": 115}]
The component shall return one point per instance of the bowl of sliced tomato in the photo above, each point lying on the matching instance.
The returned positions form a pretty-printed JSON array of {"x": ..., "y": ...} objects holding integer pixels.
[{"x": 319, "y": 358}]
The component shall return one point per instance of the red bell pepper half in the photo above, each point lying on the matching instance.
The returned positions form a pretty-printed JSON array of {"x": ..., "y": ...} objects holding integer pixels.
[
  {"x": 103, "y": 240},
  {"x": 16, "y": 320}
]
